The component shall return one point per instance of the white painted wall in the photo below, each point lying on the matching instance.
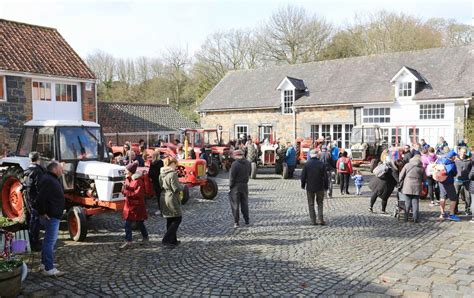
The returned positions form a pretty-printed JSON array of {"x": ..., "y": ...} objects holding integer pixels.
[{"x": 57, "y": 110}]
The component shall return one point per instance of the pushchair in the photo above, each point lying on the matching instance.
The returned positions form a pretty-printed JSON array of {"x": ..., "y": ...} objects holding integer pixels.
[{"x": 399, "y": 207}]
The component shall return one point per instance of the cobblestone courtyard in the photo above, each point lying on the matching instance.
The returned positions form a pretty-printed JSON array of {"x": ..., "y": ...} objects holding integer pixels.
[{"x": 280, "y": 253}]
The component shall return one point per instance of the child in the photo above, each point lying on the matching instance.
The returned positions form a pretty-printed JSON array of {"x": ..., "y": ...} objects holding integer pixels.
[
  {"x": 134, "y": 209},
  {"x": 358, "y": 181}
]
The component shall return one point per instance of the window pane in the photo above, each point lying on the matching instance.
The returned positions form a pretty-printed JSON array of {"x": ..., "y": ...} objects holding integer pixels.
[
  {"x": 74, "y": 93},
  {"x": 45, "y": 142},
  {"x": 26, "y": 142}
]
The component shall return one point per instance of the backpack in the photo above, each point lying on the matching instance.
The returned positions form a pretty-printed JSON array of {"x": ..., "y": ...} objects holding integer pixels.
[
  {"x": 342, "y": 165},
  {"x": 381, "y": 170},
  {"x": 439, "y": 173},
  {"x": 430, "y": 169}
]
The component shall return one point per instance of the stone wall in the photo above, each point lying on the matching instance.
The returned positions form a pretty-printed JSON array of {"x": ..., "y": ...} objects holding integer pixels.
[
  {"x": 283, "y": 125},
  {"x": 16, "y": 110},
  {"x": 88, "y": 103}
]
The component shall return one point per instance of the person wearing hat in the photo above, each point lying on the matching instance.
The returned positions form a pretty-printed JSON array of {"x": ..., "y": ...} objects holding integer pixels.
[
  {"x": 134, "y": 209},
  {"x": 315, "y": 180},
  {"x": 446, "y": 187},
  {"x": 238, "y": 184}
]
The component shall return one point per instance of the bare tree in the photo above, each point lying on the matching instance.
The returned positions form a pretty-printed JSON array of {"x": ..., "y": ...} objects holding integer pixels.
[
  {"x": 176, "y": 62},
  {"x": 103, "y": 65},
  {"x": 292, "y": 36}
]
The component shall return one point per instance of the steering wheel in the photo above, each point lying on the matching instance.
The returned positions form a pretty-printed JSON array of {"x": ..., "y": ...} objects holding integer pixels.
[{"x": 181, "y": 170}]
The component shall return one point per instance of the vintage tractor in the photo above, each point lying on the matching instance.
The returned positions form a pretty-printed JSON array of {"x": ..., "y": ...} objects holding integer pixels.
[
  {"x": 91, "y": 186},
  {"x": 209, "y": 141},
  {"x": 367, "y": 145},
  {"x": 270, "y": 156}
]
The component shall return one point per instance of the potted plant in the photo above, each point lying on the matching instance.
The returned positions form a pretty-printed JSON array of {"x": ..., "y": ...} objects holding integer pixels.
[{"x": 10, "y": 267}]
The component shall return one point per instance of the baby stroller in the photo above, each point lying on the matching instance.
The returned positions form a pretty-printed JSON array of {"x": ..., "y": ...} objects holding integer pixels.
[{"x": 400, "y": 204}]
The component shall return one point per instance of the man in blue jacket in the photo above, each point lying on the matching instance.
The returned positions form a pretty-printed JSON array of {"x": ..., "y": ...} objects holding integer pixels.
[
  {"x": 314, "y": 178},
  {"x": 446, "y": 188},
  {"x": 290, "y": 159}
]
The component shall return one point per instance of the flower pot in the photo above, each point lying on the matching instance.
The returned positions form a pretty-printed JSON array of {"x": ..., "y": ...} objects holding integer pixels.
[{"x": 10, "y": 282}]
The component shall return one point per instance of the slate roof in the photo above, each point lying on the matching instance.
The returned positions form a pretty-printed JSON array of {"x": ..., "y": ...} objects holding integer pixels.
[
  {"x": 117, "y": 117},
  {"x": 40, "y": 50},
  {"x": 299, "y": 84},
  {"x": 449, "y": 72},
  {"x": 417, "y": 75}
]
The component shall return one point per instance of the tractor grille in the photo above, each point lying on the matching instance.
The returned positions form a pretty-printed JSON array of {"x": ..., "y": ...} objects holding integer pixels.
[
  {"x": 201, "y": 171},
  {"x": 117, "y": 187},
  {"x": 356, "y": 154}
]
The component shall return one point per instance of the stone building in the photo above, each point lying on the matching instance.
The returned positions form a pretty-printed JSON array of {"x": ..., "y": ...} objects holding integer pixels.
[
  {"x": 134, "y": 121},
  {"x": 41, "y": 78},
  {"x": 411, "y": 95}
]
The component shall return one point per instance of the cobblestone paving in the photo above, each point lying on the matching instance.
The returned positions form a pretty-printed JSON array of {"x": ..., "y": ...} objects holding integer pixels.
[{"x": 280, "y": 253}]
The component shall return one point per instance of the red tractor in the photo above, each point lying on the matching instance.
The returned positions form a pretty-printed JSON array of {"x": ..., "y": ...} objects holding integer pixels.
[{"x": 367, "y": 145}]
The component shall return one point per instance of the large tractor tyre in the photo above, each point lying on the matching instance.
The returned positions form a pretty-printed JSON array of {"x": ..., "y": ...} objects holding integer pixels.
[
  {"x": 213, "y": 169},
  {"x": 373, "y": 164},
  {"x": 77, "y": 224},
  {"x": 209, "y": 190},
  {"x": 284, "y": 173},
  {"x": 253, "y": 170},
  {"x": 13, "y": 202},
  {"x": 184, "y": 195},
  {"x": 278, "y": 168}
]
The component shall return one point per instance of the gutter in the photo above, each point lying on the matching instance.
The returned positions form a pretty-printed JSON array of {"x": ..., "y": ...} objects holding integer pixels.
[{"x": 45, "y": 76}]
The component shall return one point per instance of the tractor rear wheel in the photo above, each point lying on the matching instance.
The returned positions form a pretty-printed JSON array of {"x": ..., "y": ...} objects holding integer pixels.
[
  {"x": 213, "y": 169},
  {"x": 253, "y": 170},
  {"x": 284, "y": 173},
  {"x": 13, "y": 204},
  {"x": 373, "y": 164},
  {"x": 184, "y": 195},
  {"x": 278, "y": 168},
  {"x": 77, "y": 224},
  {"x": 209, "y": 190}
]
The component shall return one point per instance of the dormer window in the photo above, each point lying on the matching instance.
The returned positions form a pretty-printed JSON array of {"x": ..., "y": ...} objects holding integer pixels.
[
  {"x": 404, "y": 89},
  {"x": 288, "y": 101},
  {"x": 291, "y": 89}
]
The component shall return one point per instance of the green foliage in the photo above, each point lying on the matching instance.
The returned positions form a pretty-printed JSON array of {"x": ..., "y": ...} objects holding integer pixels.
[
  {"x": 9, "y": 265},
  {"x": 470, "y": 126}
]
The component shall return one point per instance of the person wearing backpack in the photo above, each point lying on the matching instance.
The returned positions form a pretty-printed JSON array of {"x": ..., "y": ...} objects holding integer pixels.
[
  {"x": 461, "y": 181},
  {"x": 344, "y": 169},
  {"x": 326, "y": 158},
  {"x": 446, "y": 169},
  {"x": 33, "y": 176},
  {"x": 410, "y": 182},
  {"x": 428, "y": 160}
]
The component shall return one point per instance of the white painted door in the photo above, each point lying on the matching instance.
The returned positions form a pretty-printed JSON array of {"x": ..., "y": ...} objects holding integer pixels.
[{"x": 56, "y": 101}]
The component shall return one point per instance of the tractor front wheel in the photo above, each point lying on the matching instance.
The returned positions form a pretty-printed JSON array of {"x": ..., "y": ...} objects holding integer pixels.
[
  {"x": 285, "y": 171},
  {"x": 209, "y": 190},
  {"x": 253, "y": 170},
  {"x": 213, "y": 169},
  {"x": 13, "y": 204},
  {"x": 77, "y": 224}
]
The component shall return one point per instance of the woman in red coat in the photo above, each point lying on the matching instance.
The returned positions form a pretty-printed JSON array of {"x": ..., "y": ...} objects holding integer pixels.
[{"x": 134, "y": 209}]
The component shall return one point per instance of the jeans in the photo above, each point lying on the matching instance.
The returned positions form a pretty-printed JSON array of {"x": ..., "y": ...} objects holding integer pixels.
[
  {"x": 51, "y": 231},
  {"x": 319, "y": 200},
  {"x": 330, "y": 183},
  {"x": 464, "y": 188},
  {"x": 358, "y": 188},
  {"x": 412, "y": 202},
  {"x": 157, "y": 189},
  {"x": 433, "y": 191},
  {"x": 128, "y": 229},
  {"x": 172, "y": 225},
  {"x": 344, "y": 179},
  {"x": 34, "y": 226}
]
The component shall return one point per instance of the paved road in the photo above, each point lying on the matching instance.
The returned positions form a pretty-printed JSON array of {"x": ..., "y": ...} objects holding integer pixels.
[{"x": 280, "y": 253}]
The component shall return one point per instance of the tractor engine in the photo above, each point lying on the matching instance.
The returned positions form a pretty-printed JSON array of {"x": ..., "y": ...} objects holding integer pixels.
[
  {"x": 359, "y": 151},
  {"x": 102, "y": 180}
]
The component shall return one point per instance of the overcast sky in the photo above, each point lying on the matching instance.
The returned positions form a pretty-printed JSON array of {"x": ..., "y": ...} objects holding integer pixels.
[{"x": 147, "y": 28}]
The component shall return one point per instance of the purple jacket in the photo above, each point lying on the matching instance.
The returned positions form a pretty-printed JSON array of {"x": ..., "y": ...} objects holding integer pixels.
[{"x": 426, "y": 159}]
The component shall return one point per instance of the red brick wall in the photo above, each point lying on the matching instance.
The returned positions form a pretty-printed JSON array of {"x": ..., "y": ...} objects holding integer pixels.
[{"x": 88, "y": 103}]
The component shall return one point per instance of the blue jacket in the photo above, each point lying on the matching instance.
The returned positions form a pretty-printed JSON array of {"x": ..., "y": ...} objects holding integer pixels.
[
  {"x": 451, "y": 170},
  {"x": 335, "y": 153},
  {"x": 358, "y": 180},
  {"x": 290, "y": 157}
]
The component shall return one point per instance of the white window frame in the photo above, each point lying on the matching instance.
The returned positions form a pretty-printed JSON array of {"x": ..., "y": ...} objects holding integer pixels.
[
  {"x": 4, "y": 89},
  {"x": 292, "y": 99},
  {"x": 53, "y": 90},
  {"x": 403, "y": 86},
  {"x": 236, "y": 130},
  {"x": 432, "y": 108},
  {"x": 378, "y": 117}
]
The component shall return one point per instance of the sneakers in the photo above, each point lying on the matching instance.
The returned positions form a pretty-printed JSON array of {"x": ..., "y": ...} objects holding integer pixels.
[
  {"x": 53, "y": 273},
  {"x": 434, "y": 204},
  {"x": 371, "y": 210},
  {"x": 126, "y": 245},
  {"x": 42, "y": 267},
  {"x": 453, "y": 217},
  {"x": 384, "y": 213},
  {"x": 236, "y": 225}
]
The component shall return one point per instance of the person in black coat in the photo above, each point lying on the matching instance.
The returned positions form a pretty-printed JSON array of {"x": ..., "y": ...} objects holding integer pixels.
[
  {"x": 238, "y": 184},
  {"x": 50, "y": 202},
  {"x": 33, "y": 176},
  {"x": 471, "y": 188},
  {"x": 314, "y": 178},
  {"x": 154, "y": 174},
  {"x": 384, "y": 186}
]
